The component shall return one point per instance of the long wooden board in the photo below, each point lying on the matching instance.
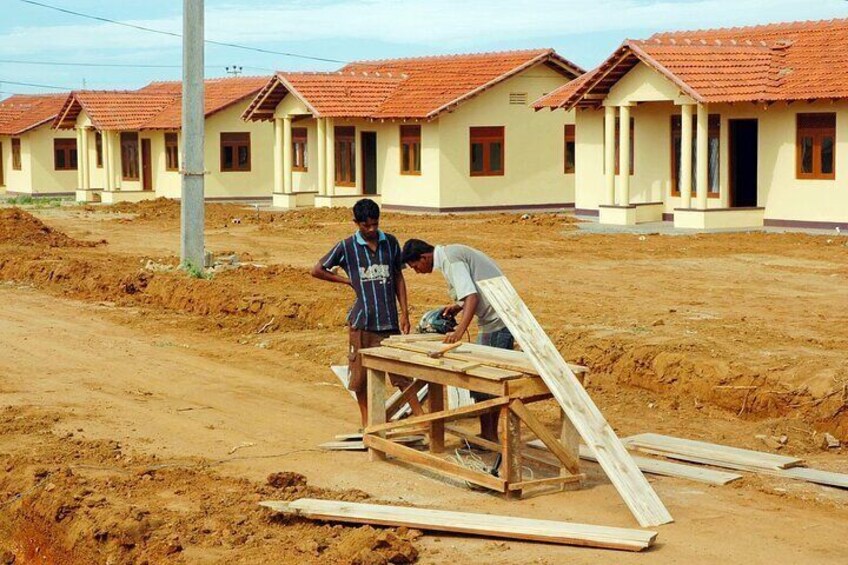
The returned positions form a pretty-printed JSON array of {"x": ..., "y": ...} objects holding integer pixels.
[
  {"x": 665, "y": 468},
  {"x": 488, "y": 525},
  {"x": 683, "y": 449},
  {"x": 631, "y": 484}
]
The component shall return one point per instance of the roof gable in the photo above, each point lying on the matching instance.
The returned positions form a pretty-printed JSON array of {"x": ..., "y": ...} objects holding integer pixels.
[
  {"x": 794, "y": 61},
  {"x": 415, "y": 88}
]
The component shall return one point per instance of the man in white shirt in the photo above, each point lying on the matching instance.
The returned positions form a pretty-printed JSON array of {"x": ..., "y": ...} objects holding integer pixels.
[{"x": 463, "y": 267}]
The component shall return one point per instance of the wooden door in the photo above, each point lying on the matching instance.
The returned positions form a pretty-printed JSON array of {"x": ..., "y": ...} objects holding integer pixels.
[
  {"x": 146, "y": 166},
  {"x": 369, "y": 162}
]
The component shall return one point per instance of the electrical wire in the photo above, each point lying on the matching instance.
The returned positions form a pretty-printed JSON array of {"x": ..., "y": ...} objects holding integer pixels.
[
  {"x": 4, "y": 81},
  {"x": 114, "y": 65},
  {"x": 179, "y": 35}
]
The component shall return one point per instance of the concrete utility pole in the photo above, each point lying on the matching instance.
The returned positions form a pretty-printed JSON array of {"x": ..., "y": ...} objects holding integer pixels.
[{"x": 192, "y": 212}]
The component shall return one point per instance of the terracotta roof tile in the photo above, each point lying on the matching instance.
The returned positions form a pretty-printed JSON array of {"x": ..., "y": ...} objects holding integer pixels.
[
  {"x": 23, "y": 112},
  {"x": 155, "y": 106},
  {"x": 415, "y": 88},
  {"x": 788, "y": 61}
]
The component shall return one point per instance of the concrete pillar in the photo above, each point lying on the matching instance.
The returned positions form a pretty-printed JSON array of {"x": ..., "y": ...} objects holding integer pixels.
[
  {"x": 331, "y": 157},
  {"x": 80, "y": 155},
  {"x": 108, "y": 163},
  {"x": 685, "y": 187},
  {"x": 322, "y": 157},
  {"x": 702, "y": 160},
  {"x": 287, "y": 155},
  {"x": 609, "y": 154},
  {"x": 278, "y": 155},
  {"x": 624, "y": 154},
  {"x": 84, "y": 160}
]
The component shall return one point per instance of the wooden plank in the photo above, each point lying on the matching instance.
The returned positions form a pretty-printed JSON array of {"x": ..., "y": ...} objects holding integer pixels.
[
  {"x": 680, "y": 448},
  {"x": 444, "y": 415},
  {"x": 359, "y": 445},
  {"x": 548, "y": 531},
  {"x": 637, "y": 493},
  {"x": 568, "y": 437},
  {"x": 435, "y": 375},
  {"x": 569, "y": 460},
  {"x": 376, "y": 405},
  {"x": 415, "y": 337},
  {"x": 557, "y": 481},
  {"x": 404, "y": 397},
  {"x": 436, "y": 404},
  {"x": 435, "y": 463},
  {"x": 482, "y": 372}
]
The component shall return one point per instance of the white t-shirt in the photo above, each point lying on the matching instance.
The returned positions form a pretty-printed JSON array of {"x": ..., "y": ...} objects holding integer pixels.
[{"x": 462, "y": 267}]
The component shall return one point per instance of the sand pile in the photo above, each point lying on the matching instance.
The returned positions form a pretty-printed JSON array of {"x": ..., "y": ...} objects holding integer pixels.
[{"x": 22, "y": 228}]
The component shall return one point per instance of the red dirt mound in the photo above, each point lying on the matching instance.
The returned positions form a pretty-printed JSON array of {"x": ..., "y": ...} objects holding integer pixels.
[{"x": 22, "y": 228}]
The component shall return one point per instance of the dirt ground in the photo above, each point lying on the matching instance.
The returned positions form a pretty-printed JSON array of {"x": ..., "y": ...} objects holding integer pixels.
[{"x": 143, "y": 413}]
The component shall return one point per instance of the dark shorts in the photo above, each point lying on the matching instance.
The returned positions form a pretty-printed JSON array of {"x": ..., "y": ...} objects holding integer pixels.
[
  {"x": 501, "y": 339},
  {"x": 361, "y": 339}
]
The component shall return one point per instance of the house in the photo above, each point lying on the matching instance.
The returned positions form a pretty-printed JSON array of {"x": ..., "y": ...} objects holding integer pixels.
[
  {"x": 34, "y": 159},
  {"x": 444, "y": 133},
  {"x": 130, "y": 141},
  {"x": 721, "y": 128}
]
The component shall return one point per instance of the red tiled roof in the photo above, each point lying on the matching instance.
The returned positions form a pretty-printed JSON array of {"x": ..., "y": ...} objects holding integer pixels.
[
  {"x": 789, "y": 61},
  {"x": 416, "y": 88},
  {"x": 23, "y": 112},
  {"x": 155, "y": 106}
]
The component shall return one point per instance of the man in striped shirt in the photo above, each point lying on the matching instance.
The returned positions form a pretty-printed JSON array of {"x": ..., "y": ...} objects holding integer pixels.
[{"x": 372, "y": 261}]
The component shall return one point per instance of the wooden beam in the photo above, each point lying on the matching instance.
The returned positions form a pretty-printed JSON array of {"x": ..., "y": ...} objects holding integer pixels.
[
  {"x": 569, "y": 460},
  {"x": 509, "y": 430},
  {"x": 435, "y": 463},
  {"x": 637, "y": 493},
  {"x": 556, "y": 481},
  {"x": 436, "y": 375},
  {"x": 489, "y": 525},
  {"x": 405, "y": 397},
  {"x": 376, "y": 405},
  {"x": 444, "y": 415}
]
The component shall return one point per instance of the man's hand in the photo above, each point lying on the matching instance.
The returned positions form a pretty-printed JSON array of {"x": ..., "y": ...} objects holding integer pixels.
[
  {"x": 452, "y": 337},
  {"x": 451, "y": 310},
  {"x": 404, "y": 323}
]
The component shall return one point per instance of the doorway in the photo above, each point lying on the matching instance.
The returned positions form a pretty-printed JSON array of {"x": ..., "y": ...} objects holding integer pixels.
[
  {"x": 369, "y": 162},
  {"x": 146, "y": 166},
  {"x": 743, "y": 163}
]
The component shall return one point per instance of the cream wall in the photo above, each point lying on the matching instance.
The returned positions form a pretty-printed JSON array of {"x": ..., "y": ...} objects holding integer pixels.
[
  {"x": 534, "y": 152},
  {"x": 410, "y": 190},
  {"x": 37, "y": 175},
  {"x": 17, "y": 181}
]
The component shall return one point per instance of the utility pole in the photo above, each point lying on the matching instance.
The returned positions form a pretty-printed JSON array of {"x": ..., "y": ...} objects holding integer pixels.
[{"x": 191, "y": 211}]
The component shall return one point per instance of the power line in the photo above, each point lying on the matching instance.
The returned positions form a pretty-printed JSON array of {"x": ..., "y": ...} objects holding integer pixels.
[
  {"x": 178, "y": 35},
  {"x": 114, "y": 65},
  {"x": 4, "y": 81}
]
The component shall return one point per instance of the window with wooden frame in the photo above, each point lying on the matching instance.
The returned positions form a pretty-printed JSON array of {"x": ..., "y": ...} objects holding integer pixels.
[
  {"x": 569, "y": 147},
  {"x": 65, "y": 154},
  {"x": 235, "y": 152},
  {"x": 815, "y": 146},
  {"x": 487, "y": 151},
  {"x": 713, "y": 152},
  {"x": 98, "y": 149},
  {"x": 16, "y": 154},
  {"x": 345, "y": 156},
  {"x": 410, "y": 150},
  {"x": 172, "y": 152},
  {"x": 300, "y": 153},
  {"x": 129, "y": 156}
]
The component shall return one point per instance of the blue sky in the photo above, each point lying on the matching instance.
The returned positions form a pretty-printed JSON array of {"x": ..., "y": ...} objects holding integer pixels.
[{"x": 583, "y": 31}]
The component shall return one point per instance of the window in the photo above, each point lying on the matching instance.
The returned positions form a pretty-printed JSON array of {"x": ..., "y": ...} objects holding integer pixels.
[
  {"x": 487, "y": 151},
  {"x": 815, "y": 146},
  {"x": 129, "y": 156},
  {"x": 410, "y": 150},
  {"x": 235, "y": 151},
  {"x": 713, "y": 137},
  {"x": 65, "y": 154},
  {"x": 632, "y": 145},
  {"x": 98, "y": 147},
  {"x": 299, "y": 150},
  {"x": 345, "y": 155},
  {"x": 569, "y": 149},
  {"x": 172, "y": 152},
  {"x": 16, "y": 154}
]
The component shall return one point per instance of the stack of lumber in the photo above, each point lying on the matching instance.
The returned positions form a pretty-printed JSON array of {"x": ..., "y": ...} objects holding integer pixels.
[
  {"x": 733, "y": 458},
  {"x": 467, "y": 523}
]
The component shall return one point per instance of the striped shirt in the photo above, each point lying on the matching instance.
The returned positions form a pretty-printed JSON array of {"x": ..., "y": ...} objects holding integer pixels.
[{"x": 373, "y": 276}]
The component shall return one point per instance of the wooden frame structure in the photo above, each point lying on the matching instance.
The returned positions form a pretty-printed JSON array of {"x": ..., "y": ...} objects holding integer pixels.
[{"x": 506, "y": 375}]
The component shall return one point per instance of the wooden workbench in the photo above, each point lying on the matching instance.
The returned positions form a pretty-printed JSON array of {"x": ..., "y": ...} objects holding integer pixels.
[{"x": 507, "y": 375}]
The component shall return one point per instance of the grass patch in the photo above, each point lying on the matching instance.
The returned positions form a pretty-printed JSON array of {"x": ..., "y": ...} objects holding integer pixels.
[
  {"x": 196, "y": 272},
  {"x": 35, "y": 202}
]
